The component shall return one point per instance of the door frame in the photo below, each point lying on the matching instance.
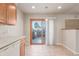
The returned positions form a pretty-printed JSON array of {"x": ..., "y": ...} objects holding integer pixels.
[{"x": 34, "y": 19}]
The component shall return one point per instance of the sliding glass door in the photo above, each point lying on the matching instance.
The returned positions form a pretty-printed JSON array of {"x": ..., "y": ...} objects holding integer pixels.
[{"x": 38, "y": 31}]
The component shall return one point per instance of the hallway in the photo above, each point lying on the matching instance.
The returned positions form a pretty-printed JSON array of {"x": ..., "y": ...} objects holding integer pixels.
[{"x": 42, "y": 50}]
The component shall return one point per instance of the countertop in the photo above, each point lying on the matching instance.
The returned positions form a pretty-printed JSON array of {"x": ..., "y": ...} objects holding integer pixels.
[
  {"x": 7, "y": 40},
  {"x": 70, "y": 29}
]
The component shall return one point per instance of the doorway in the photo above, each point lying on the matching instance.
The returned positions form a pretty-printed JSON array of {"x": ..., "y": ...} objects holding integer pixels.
[{"x": 37, "y": 31}]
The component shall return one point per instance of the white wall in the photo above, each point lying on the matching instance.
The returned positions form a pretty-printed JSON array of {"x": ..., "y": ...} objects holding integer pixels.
[
  {"x": 77, "y": 41},
  {"x": 70, "y": 39},
  {"x": 51, "y": 31}
]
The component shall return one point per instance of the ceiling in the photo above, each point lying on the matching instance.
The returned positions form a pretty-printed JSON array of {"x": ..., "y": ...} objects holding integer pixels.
[{"x": 52, "y": 8}]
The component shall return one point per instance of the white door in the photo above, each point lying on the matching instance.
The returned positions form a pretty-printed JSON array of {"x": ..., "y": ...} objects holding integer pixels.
[{"x": 51, "y": 32}]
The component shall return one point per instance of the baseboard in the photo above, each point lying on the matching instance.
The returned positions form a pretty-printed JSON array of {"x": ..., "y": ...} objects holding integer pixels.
[
  {"x": 74, "y": 52},
  {"x": 59, "y": 44}
]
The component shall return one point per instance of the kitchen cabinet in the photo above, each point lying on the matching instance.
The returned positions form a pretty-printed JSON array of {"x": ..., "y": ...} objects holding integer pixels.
[
  {"x": 8, "y": 13},
  {"x": 11, "y": 14},
  {"x": 22, "y": 47},
  {"x": 71, "y": 40},
  {"x": 3, "y": 13}
]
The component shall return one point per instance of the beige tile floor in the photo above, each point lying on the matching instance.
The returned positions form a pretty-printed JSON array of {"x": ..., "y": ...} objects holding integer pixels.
[{"x": 42, "y": 50}]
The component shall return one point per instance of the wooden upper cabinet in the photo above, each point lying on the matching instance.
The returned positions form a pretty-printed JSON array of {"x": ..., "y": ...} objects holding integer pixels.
[
  {"x": 11, "y": 14},
  {"x": 8, "y": 13},
  {"x": 3, "y": 13}
]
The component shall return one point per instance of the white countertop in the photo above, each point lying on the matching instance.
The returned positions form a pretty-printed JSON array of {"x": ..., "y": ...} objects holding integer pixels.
[{"x": 7, "y": 40}]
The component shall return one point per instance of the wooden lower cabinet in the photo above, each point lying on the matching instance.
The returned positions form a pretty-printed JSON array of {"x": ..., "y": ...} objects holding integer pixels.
[{"x": 22, "y": 47}]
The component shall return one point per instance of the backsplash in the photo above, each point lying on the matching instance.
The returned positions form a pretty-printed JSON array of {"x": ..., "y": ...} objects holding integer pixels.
[
  {"x": 72, "y": 24},
  {"x": 3, "y": 30}
]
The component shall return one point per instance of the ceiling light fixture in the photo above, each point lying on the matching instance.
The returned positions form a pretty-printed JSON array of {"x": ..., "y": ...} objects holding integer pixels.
[
  {"x": 46, "y": 6},
  {"x": 33, "y": 7},
  {"x": 59, "y": 7}
]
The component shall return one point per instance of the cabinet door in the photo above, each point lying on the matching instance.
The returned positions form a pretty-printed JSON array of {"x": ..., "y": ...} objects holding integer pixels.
[
  {"x": 11, "y": 14},
  {"x": 22, "y": 47},
  {"x": 2, "y": 13}
]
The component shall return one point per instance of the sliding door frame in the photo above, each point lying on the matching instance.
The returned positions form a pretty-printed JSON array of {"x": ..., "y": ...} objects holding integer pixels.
[{"x": 34, "y": 19}]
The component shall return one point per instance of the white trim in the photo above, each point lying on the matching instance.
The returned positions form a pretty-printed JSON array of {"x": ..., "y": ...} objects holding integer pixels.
[
  {"x": 73, "y": 51},
  {"x": 59, "y": 44}
]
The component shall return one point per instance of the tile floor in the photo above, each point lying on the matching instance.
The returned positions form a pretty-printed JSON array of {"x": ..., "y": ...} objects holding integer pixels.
[
  {"x": 37, "y": 40},
  {"x": 42, "y": 50}
]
